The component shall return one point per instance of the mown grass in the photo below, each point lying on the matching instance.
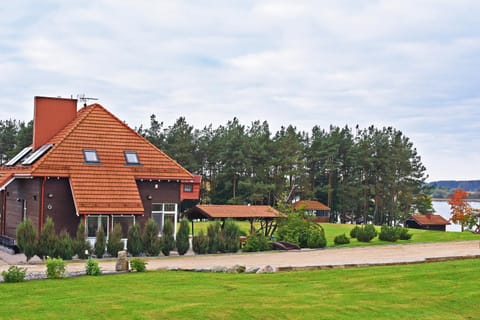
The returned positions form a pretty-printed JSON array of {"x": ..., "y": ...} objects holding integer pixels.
[
  {"x": 443, "y": 290},
  {"x": 333, "y": 229}
]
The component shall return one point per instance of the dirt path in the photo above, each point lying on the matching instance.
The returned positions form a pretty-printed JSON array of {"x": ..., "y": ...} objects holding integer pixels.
[{"x": 332, "y": 257}]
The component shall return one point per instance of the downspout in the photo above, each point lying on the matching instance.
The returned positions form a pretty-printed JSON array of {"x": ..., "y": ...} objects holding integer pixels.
[
  {"x": 4, "y": 209},
  {"x": 42, "y": 205}
]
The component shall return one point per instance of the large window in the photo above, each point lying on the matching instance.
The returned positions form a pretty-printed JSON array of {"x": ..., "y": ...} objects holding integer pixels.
[
  {"x": 126, "y": 222},
  {"x": 96, "y": 222},
  {"x": 162, "y": 212}
]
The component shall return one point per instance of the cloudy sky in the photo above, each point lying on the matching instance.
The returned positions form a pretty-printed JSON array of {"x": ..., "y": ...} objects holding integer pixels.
[{"x": 410, "y": 64}]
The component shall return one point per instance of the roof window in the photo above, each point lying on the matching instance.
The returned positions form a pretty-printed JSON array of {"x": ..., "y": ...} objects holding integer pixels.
[
  {"x": 131, "y": 157},
  {"x": 90, "y": 156}
]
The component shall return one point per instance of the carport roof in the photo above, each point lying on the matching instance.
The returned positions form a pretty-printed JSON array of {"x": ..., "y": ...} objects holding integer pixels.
[{"x": 233, "y": 211}]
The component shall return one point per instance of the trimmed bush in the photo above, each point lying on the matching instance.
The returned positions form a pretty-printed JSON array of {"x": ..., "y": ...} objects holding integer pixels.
[
  {"x": 55, "y": 268},
  {"x": 151, "y": 243},
  {"x": 100, "y": 243},
  {"x": 134, "y": 241},
  {"x": 81, "y": 246},
  {"x": 47, "y": 241},
  {"x": 301, "y": 231},
  {"x": 341, "y": 239},
  {"x": 215, "y": 243},
  {"x": 231, "y": 236},
  {"x": 14, "y": 274},
  {"x": 92, "y": 268},
  {"x": 200, "y": 243},
  {"x": 115, "y": 242},
  {"x": 353, "y": 232},
  {"x": 256, "y": 242},
  {"x": 168, "y": 241},
  {"x": 138, "y": 265},
  {"x": 316, "y": 237},
  {"x": 367, "y": 233},
  {"x": 64, "y": 246},
  {"x": 390, "y": 234},
  {"x": 182, "y": 240},
  {"x": 26, "y": 237},
  {"x": 404, "y": 234}
]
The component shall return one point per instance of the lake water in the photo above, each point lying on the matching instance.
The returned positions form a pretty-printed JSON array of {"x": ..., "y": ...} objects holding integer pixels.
[{"x": 443, "y": 208}]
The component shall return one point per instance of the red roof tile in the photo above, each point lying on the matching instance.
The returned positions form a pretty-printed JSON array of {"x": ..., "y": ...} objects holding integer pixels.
[
  {"x": 236, "y": 211},
  {"x": 310, "y": 205},
  {"x": 429, "y": 219}
]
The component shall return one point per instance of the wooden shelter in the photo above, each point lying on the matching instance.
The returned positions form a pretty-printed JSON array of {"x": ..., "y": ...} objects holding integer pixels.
[
  {"x": 318, "y": 210},
  {"x": 427, "y": 222},
  {"x": 266, "y": 215}
]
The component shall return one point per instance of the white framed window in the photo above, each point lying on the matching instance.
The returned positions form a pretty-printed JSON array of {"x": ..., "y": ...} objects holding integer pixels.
[
  {"x": 125, "y": 221},
  {"x": 162, "y": 212},
  {"x": 96, "y": 222},
  {"x": 90, "y": 156},
  {"x": 131, "y": 158}
]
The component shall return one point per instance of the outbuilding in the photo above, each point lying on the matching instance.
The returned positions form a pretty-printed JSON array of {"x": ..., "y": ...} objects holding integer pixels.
[{"x": 427, "y": 222}]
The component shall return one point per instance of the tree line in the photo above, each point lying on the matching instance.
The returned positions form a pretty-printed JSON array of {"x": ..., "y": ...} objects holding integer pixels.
[{"x": 369, "y": 174}]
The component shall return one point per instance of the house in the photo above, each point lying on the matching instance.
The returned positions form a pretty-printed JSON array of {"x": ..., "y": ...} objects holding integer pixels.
[
  {"x": 88, "y": 166},
  {"x": 318, "y": 210},
  {"x": 427, "y": 222}
]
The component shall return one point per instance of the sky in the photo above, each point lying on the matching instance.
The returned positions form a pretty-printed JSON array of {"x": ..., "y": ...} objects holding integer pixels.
[{"x": 411, "y": 64}]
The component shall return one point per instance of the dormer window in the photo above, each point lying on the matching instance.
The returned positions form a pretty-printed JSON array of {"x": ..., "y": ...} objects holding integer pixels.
[
  {"x": 131, "y": 158},
  {"x": 90, "y": 156}
]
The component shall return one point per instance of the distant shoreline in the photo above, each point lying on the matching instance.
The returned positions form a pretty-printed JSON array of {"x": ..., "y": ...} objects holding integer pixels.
[{"x": 446, "y": 199}]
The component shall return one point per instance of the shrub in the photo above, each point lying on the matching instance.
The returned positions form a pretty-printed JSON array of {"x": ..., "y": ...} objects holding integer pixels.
[
  {"x": 100, "y": 243},
  {"x": 64, "y": 246},
  {"x": 138, "y": 265},
  {"x": 341, "y": 239},
  {"x": 366, "y": 233},
  {"x": 200, "y": 243},
  {"x": 134, "y": 240},
  {"x": 231, "y": 236},
  {"x": 92, "y": 268},
  {"x": 151, "y": 242},
  {"x": 115, "y": 242},
  {"x": 316, "y": 237},
  {"x": 256, "y": 242},
  {"x": 14, "y": 274},
  {"x": 55, "y": 268},
  {"x": 27, "y": 238},
  {"x": 404, "y": 234},
  {"x": 354, "y": 231},
  {"x": 47, "y": 241},
  {"x": 168, "y": 238},
  {"x": 301, "y": 231},
  {"x": 388, "y": 233},
  {"x": 213, "y": 235},
  {"x": 81, "y": 246},
  {"x": 182, "y": 241}
]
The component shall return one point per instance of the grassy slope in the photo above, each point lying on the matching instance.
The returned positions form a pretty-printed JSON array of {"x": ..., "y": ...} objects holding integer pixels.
[{"x": 446, "y": 290}]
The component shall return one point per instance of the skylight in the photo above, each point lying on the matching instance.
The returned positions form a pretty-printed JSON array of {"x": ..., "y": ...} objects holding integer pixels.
[
  {"x": 131, "y": 157},
  {"x": 37, "y": 154},
  {"x": 19, "y": 156},
  {"x": 90, "y": 156}
]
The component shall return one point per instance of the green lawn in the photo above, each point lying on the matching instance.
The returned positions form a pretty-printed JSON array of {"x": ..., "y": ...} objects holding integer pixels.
[
  {"x": 442, "y": 290},
  {"x": 333, "y": 229}
]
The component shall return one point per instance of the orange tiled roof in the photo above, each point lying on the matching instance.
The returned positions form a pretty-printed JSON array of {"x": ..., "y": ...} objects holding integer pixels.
[
  {"x": 429, "y": 219},
  {"x": 236, "y": 211},
  {"x": 109, "y": 187},
  {"x": 310, "y": 205}
]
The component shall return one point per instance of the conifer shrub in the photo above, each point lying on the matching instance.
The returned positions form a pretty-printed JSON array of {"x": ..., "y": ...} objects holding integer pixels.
[
  {"x": 64, "y": 246},
  {"x": 389, "y": 233},
  {"x": 404, "y": 234},
  {"x": 81, "y": 246},
  {"x": 138, "y": 265},
  {"x": 14, "y": 274},
  {"x": 231, "y": 236},
  {"x": 256, "y": 242},
  {"x": 353, "y": 232},
  {"x": 151, "y": 243},
  {"x": 134, "y": 241},
  {"x": 47, "y": 241},
  {"x": 182, "y": 240},
  {"x": 115, "y": 242},
  {"x": 341, "y": 239},
  {"x": 215, "y": 243},
  {"x": 100, "y": 243},
  {"x": 92, "y": 268},
  {"x": 366, "y": 233},
  {"x": 200, "y": 243},
  {"x": 55, "y": 268},
  {"x": 168, "y": 240},
  {"x": 26, "y": 237}
]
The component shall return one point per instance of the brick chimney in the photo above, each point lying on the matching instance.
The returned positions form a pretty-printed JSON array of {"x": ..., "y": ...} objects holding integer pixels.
[{"x": 50, "y": 116}]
